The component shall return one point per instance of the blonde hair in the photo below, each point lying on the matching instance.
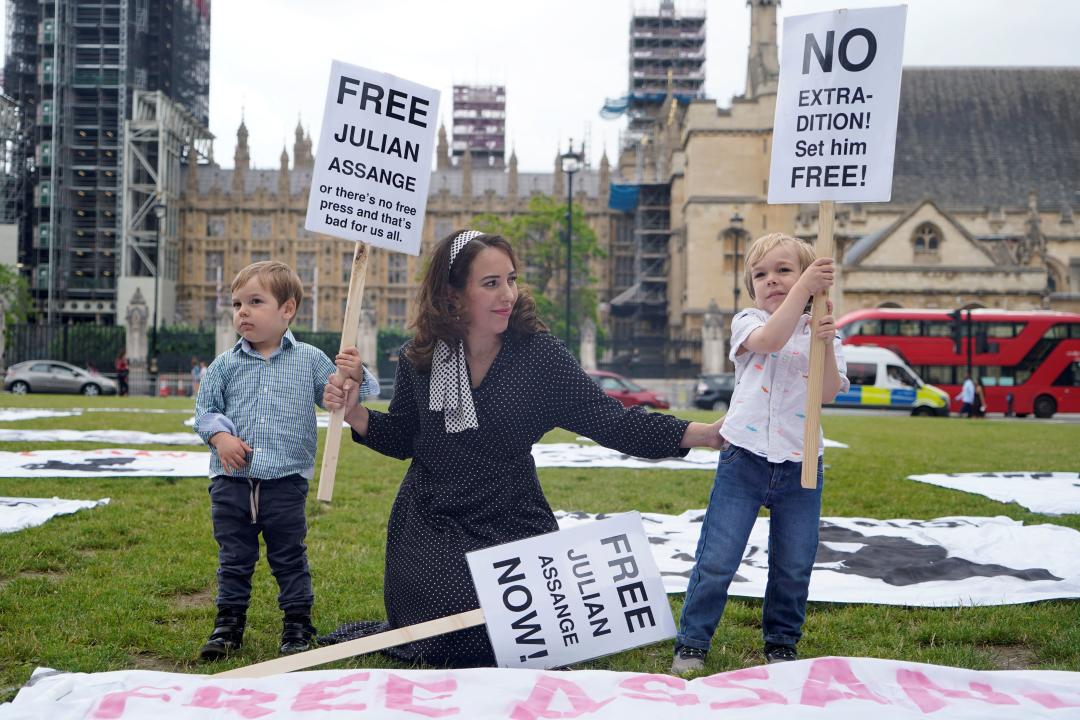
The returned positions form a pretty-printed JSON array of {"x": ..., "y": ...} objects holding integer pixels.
[
  {"x": 765, "y": 244},
  {"x": 277, "y": 278}
]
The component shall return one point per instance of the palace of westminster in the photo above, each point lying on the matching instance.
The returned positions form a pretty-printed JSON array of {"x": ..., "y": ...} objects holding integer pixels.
[{"x": 987, "y": 173}]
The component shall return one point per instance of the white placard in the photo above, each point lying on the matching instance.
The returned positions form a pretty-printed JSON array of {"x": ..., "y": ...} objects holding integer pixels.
[
  {"x": 572, "y": 595},
  {"x": 373, "y": 165},
  {"x": 834, "y": 134}
]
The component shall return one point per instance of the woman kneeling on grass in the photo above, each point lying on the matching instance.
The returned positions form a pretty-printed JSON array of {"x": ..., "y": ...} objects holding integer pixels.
[{"x": 478, "y": 385}]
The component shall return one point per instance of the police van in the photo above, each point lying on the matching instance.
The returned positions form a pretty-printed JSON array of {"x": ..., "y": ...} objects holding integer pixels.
[{"x": 880, "y": 378}]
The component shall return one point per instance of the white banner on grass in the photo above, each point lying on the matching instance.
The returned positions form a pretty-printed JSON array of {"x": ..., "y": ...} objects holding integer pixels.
[
  {"x": 834, "y": 133},
  {"x": 114, "y": 437},
  {"x": 17, "y": 414},
  {"x": 563, "y": 597},
  {"x": 575, "y": 455},
  {"x": 18, "y": 513},
  {"x": 832, "y": 687},
  {"x": 947, "y": 562},
  {"x": 321, "y": 420},
  {"x": 110, "y": 462},
  {"x": 1053, "y": 493}
]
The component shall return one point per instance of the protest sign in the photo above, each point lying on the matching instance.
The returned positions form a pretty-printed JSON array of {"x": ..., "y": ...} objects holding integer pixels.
[
  {"x": 548, "y": 601},
  {"x": 370, "y": 185},
  {"x": 373, "y": 165},
  {"x": 569, "y": 596},
  {"x": 834, "y": 132},
  {"x": 834, "y": 139}
]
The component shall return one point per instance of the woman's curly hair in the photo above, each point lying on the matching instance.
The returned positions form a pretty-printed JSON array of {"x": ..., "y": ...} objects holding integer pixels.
[{"x": 437, "y": 317}]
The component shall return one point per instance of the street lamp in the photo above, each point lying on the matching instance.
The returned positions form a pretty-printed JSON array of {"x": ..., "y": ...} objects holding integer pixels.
[
  {"x": 159, "y": 213},
  {"x": 736, "y": 233},
  {"x": 571, "y": 163}
]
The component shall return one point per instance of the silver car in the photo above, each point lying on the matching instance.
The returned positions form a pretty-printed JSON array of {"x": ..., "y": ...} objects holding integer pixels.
[{"x": 53, "y": 376}]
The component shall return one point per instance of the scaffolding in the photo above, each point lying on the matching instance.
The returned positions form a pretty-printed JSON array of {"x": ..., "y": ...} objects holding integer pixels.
[
  {"x": 641, "y": 309},
  {"x": 10, "y": 178},
  {"x": 667, "y": 56},
  {"x": 72, "y": 66},
  {"x": 480, "y": 124},
  {"x": 160, "y": 136}
]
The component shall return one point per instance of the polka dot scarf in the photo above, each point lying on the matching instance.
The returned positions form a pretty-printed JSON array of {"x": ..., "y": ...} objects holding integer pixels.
[{"x": 451, "y": 388}]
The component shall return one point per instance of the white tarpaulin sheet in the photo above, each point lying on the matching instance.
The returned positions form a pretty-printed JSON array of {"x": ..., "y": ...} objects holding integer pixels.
[
  {"x": 113, "y": 437},
  {"x": 111, "y": 462},
  {"x": 16, "y": 414},
  {"x": 1053, "y": 493},
  {"x": 321, "y": 420},
  {"x": 578, "y": 455},
  {"x": 832, "y": 687},
  {"x": 17, "y": 513},
  {"x": 947, "y": 562}
]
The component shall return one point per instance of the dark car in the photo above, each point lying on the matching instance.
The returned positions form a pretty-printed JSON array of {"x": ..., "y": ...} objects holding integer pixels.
[
  {"x": 628, "y": 392},
  {"x": 714, "y": 392},
  {"x": 53, "y": 376}
]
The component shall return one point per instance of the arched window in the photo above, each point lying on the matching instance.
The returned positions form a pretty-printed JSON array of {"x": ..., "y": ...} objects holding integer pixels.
[{"x": 926, "y": 240}]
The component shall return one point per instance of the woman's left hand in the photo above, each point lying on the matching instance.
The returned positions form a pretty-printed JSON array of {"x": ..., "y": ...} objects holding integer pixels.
[
  {"x": 716, "y": 440},
  {"x": 703, "y": 435}
]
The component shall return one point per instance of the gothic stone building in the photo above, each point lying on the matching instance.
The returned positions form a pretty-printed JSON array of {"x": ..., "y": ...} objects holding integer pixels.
[
  {"x": 986, "y": 177},
  {"x": 232, "y": 217}
]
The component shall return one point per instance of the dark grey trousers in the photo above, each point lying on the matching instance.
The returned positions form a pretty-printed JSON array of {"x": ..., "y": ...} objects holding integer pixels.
[{"x": 241, "y": 509}]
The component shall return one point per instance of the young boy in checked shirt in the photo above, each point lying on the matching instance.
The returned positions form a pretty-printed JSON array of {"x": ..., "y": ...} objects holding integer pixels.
[{"x": 256, "y": 410}]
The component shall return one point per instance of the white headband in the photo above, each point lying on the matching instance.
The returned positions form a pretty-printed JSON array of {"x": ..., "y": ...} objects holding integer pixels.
[{"x": 459, "y": 242}]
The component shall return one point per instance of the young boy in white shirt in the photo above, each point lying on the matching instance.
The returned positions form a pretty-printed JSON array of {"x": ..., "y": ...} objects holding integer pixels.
[{"x": 762, "y": 466}]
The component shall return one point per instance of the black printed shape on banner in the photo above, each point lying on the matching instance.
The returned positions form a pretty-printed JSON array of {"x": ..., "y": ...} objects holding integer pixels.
[
  {"x": 99, "y": 465},
  {"x": 899, "y": 561},
  {"x": 17, "y": 503}
]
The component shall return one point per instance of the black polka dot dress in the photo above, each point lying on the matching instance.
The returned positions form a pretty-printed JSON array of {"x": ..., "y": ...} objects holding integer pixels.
[{"x": 477, "y": 488}]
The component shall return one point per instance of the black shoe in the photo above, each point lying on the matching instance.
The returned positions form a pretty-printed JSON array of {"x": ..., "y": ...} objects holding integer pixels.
[
  {"x": 297, "y": 634},
  {"x": 688, "y": 660},
  {"x": 780, "y": 653},
  {"x": 228, "y": 634}
]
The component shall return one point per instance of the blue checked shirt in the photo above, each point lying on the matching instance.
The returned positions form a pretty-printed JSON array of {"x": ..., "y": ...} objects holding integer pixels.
[{"x": 269, "y": 403}]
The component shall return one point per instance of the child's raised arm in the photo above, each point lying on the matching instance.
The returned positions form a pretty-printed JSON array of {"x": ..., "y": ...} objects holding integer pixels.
[{"x": 774, "y": 334}]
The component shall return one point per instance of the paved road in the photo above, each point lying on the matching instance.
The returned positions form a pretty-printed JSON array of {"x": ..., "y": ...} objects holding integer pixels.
[{"x": 1060, "y": 418}]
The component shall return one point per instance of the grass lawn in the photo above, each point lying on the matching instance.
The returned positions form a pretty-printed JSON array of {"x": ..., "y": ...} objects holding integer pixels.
[{"x": 131, "y": 585}]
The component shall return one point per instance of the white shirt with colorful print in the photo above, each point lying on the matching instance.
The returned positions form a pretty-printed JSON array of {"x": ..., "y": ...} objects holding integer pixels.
[{"x": 767, "y": 415}]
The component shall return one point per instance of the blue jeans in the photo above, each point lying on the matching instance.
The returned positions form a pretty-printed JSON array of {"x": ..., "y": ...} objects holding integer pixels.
[
  {"x": 744, "y": 483},
  {"x": 276, "y": 510}
]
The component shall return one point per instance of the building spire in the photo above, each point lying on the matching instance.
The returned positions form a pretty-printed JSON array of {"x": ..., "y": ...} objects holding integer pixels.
[
  {"x": 442, "y": 150},
  {"x": 762, "y": 64},
  {"x": 241, "y": 158},
  {"x": 512, "y": 178},
  {"x": 283, "y": 174}
]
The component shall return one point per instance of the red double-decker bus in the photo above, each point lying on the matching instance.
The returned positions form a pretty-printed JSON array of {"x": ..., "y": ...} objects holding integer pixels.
[{"x": 1029, "y": 359}]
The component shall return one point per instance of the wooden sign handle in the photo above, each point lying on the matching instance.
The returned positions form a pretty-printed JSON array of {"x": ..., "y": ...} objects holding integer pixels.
[
  {"x": 360, "y": 646},
  {"x": 818, "y": 348},
  {"x": 349, "y": 331}
]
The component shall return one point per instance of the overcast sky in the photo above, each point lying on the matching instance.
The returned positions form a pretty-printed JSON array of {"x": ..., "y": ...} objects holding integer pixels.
[{"x": 559, "y": 59}]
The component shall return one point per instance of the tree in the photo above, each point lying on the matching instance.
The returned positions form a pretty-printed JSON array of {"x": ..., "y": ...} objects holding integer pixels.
[
  {"x": 539, "y": 239},
  {"x": 15, "y": 297}
]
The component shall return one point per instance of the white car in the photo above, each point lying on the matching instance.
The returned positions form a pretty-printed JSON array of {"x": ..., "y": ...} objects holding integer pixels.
[{"x": 53, "y": 376}]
